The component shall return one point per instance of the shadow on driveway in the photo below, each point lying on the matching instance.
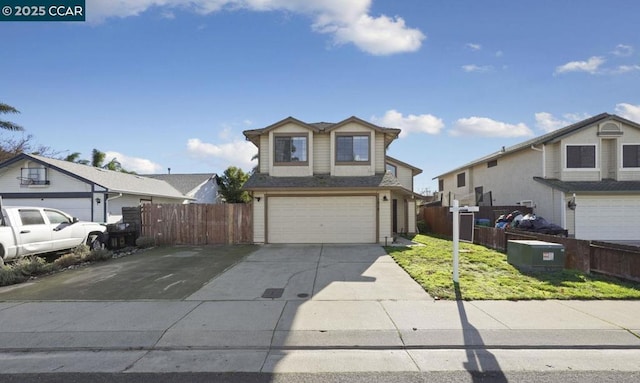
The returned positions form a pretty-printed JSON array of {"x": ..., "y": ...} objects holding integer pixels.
[{"x": 159, "y": 273}]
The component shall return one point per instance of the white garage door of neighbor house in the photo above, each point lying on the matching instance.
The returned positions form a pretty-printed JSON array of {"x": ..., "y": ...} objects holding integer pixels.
[
  {"x": 76, "y": 207},
  {"x": 608, "y": 218},
  {"x": 338, "y": 219}
]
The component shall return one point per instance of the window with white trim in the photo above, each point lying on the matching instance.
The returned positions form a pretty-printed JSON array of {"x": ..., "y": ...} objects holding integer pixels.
[
  {"x": 581, "y": 156},
  {"x": 631, "y": 156}
]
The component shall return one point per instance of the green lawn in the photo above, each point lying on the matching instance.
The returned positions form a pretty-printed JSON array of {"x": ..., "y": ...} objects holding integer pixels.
[{"x": 485, "y": 274}]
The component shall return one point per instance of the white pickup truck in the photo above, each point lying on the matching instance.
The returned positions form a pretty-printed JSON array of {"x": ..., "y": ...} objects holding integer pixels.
[{"x": 36, "y": 230}]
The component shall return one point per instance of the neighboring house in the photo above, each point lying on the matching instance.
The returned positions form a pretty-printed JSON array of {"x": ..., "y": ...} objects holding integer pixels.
[
  {"x": 328, "y": 183},
  {"x": 202, "y": 187},
  {"x": 86, "y": 192},
  {"x": 584, "y": 177}
]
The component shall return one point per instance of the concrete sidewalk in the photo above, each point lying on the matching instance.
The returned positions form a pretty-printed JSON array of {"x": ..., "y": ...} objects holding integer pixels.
[{"x": 342, "y": 308}]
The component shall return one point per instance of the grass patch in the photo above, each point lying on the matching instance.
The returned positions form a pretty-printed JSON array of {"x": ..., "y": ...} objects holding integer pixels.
[{"x": 485, "y": 274}]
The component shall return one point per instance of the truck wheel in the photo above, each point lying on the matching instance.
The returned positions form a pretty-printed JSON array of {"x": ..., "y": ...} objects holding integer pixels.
[{"x": 94, "y": 242}]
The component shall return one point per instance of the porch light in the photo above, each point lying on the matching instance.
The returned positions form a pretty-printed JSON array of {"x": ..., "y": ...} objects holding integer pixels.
[
  {"x": 98, "y": 200},
  {"x": 384, "y": 198}
]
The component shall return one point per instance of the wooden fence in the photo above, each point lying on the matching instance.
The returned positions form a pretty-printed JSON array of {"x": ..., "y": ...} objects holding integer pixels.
[
  {"x": 440, "y": 221},
  {"x": 587, "y": 256},
  {"x": 198, "y": 224}
]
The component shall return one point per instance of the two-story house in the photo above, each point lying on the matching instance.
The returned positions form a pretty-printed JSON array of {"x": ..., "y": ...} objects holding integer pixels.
[
  {"x": 329, "y": 183},
  {"x": 584, "y": 177}
]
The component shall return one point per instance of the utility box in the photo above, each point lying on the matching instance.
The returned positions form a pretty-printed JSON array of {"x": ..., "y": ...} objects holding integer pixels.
[{"x": 538, "y": 255}]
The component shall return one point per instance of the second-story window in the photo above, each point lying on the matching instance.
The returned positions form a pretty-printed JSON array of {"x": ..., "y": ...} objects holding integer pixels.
[
  {"x": 581, "y": 156},
  {"x": 352, "y": 148},
  {"x": 33, "y": 176},
  {"x": 461, "y": 180},
  {"x": 290, "y": 150}
]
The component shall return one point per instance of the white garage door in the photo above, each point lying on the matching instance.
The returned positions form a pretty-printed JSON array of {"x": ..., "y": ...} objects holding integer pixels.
[
  {"x": 608, "y": 218},
  {"x": 76, "y": 207},
  {"x": 321, "y": 219}
]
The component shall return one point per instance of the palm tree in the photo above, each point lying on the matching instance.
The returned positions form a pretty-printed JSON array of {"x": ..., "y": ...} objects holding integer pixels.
[
  {"x": 8, "y": 125},
  {"x": 97, "y": 158}
]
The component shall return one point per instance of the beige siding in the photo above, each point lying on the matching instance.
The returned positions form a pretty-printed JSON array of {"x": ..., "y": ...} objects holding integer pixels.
[
  {"x": 404, "y": 175},
  {"x": 265, "y": 153},
  {"x": 378, "y": 153},
  {"x": 259, "y": 217},
  {"x": 322, "y": 154},
  {"x": 552, "y": 158},
  {"x": 411, "y": 219},
  {"x": 384, "y": 208}
]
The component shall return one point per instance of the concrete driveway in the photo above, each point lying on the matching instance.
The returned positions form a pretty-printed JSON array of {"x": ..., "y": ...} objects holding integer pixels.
[{"x": 159, "y": 273}]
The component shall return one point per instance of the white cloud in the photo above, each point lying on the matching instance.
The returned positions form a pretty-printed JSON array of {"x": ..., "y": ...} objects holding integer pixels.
[
  {"x": 138, "y": 165},
  {"x": 472, "y": 68},
  {"x": 590, "y": 66},
  {"x": 236, "y": 153},
  {"x": 486, "y": 127},
  {"x": 423, "y": 123},
  {"x": 623, "y": 50},
  {"x": 629, "y": 111},
  {"x": 379, "y": 36},
  {"x": 499, "y": 53},
  {"x": 548, "y": 123},
  {"x": 625, "y": 69},
  {"x": 347, "y": 21},
  {"x": 474, "y": 47}
]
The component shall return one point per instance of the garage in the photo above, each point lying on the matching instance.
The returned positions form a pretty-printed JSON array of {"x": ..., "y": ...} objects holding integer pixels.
[
  {"x": 321, "y": 219},
  {"x": 602, "y": 217},
  {"x": 76, "y": 207}
]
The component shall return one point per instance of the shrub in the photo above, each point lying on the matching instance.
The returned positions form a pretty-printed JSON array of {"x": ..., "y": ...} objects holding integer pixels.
[
  {"x": 81, "y": 251},
  {"x": 98, "y": 255},
  {"x": 9, "y": 276},
  {"x": 422, "y": 227},
  {"x": 67, "y": 260},
  {"x": 30, "y": 266},
  {"x": 145, "y": 242}
]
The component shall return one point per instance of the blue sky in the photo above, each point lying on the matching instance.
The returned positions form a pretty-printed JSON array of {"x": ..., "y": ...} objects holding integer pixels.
[{"x": 173, "y": 83}]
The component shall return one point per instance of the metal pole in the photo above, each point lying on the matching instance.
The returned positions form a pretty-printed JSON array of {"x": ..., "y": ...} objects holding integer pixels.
[{"x": 456, "y": 238}]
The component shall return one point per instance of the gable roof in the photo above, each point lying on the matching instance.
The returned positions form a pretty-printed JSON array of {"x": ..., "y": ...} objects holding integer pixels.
[
  {"x": 184, "y": 183},
  {"x": 113, "y": 181},
  {"x": 414, "y": 171},
  {"x": 545, "y": 139},
  {"x": 321, "y": 127}
]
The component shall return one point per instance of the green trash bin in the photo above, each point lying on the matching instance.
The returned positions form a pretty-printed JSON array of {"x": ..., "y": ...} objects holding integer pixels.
[{"x": 537, "y": 255}]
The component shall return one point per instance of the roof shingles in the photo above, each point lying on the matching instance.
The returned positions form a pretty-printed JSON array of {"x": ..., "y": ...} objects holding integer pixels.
[{"x": 262, "y": 181}]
